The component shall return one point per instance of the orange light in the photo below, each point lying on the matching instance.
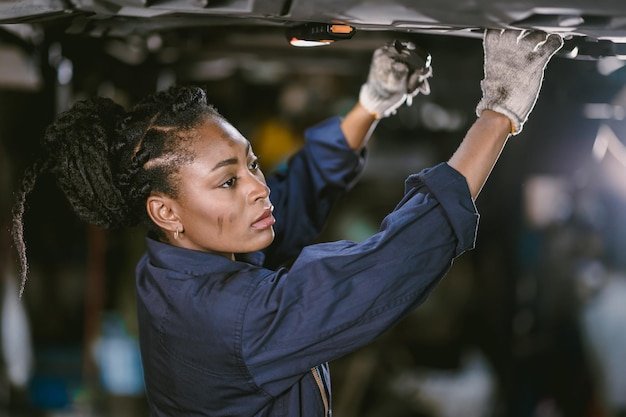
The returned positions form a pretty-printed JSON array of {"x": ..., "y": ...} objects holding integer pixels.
[{"x": 341, "y": 29}]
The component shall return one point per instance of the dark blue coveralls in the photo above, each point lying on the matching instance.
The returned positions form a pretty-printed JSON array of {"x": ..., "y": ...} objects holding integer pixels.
[{"x": 248, "y": 338}]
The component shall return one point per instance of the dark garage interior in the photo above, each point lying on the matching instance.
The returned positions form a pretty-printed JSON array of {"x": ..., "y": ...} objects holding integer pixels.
[{"x": 528, "y": 324}]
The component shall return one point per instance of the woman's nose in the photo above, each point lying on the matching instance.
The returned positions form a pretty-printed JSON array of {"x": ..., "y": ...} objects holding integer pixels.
[{"x": 258, "y": 187}]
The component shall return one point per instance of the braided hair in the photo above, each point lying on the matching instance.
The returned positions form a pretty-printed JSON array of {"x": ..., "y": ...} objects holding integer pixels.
[{"x": 108, "y": 161}]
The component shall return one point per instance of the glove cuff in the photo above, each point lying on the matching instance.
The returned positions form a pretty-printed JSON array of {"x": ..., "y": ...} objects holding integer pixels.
[
  {"x": 377, "y": 105},
  {"x": 516, "y": 123}
]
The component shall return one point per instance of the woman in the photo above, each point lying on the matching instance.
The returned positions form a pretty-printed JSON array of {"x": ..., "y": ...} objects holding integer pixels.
[{"x": 226, "y": 331}]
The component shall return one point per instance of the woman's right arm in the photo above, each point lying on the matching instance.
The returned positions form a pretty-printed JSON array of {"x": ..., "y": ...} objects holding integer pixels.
[
  {"x": 480, "y": 149},
  {"x": 514, "y": 66}
]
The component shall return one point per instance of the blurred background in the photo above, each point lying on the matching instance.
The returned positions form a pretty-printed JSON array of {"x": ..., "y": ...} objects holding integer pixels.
[{"x": 529, "y": 324}]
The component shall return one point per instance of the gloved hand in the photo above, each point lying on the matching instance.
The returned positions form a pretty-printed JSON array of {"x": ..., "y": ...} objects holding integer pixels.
[
  {"x": 398, "y": 72},
  {"x": 514, "y": 65}
]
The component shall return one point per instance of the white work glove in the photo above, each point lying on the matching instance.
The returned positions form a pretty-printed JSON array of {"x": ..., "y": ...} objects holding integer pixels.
[
  {"x": 514, "y": 64},
  {"x": 398, "y": 72}
]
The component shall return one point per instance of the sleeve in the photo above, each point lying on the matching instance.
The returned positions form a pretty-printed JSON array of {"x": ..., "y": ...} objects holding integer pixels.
[
  {"x": 340, "y": 296},
  {"x": 306, "y": 190}
]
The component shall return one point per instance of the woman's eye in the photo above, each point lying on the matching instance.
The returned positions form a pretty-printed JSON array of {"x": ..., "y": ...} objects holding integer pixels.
[
  {"x": 230, "y": 183},
  {"x": 254, "y": 165}
]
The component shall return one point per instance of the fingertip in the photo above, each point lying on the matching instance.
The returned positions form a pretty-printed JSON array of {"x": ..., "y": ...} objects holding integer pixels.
[{"x": 556, "y": 38}]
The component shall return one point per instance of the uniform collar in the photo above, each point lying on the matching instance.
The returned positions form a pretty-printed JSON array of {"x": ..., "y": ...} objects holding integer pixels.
[{"x": 194, "y": 262}]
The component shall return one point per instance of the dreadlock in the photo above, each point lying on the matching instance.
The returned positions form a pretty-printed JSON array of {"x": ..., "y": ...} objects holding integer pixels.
[{"x": 107, "y": 161}]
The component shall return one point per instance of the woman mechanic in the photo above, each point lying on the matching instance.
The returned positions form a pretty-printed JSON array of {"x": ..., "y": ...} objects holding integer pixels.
[{"x": 224, "y": 329}]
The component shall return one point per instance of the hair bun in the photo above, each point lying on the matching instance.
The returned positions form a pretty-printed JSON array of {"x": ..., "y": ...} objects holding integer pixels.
[{"x": 80, "y": 145}]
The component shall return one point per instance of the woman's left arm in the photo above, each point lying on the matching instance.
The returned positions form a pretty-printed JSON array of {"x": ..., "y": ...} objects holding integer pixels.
[
  {"x": 357, "y": 126},
  {"x": 325, "y": 168}
]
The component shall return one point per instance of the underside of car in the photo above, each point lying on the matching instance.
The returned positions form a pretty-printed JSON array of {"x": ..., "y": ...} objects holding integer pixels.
[
  {"x": 597, "y": 28},
  {"x": 552, "y": 211}
]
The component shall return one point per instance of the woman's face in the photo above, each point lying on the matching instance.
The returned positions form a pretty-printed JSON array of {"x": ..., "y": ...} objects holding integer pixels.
[{"x": 223, "y": 201}]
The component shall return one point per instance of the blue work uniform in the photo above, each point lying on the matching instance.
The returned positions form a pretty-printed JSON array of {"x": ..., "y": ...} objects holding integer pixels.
[{"x": 236, "y": 338}]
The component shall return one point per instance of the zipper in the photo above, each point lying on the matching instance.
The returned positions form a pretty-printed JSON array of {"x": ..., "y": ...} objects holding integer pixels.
[{"x": 320, "y": 385}]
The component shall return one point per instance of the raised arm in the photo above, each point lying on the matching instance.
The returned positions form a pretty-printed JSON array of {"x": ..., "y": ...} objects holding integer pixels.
[
  {"x": 514, "y": 66},
  {"x": 357, "y": 126},
  {"x": 480, "y": 149}
]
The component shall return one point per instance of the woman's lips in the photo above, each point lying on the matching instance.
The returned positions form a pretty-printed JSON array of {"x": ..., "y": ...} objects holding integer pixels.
[{"x": 265, "y": 220}]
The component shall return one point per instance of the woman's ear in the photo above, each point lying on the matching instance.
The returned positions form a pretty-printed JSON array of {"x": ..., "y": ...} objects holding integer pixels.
[{"x": 162, "y": 211}]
